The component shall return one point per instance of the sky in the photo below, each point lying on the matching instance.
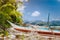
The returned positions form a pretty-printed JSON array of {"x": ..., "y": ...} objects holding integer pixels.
[{"x": 35, "y": 10}]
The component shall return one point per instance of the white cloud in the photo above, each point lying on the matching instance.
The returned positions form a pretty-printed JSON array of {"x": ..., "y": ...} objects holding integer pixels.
[
  {"x": 43, "y": 19},
  {"x": 21, "y": 8},
  {"x": 35, "y": 13},
  {"x": 58, "y": 0},
  {"x": 22, "y": 0},
  {"x": 56, "y": 19},
  {"x": 26, "y": 0}
]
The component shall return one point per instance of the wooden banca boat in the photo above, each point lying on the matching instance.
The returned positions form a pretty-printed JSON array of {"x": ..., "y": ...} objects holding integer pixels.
[{"x": 38, "y": 30}]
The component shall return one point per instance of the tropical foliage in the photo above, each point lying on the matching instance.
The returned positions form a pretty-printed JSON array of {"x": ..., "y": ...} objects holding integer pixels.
[{"x": 8, "y": 11}]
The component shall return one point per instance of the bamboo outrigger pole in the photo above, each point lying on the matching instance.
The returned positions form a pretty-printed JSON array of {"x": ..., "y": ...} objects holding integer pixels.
[{"x": 48, "y": 23}]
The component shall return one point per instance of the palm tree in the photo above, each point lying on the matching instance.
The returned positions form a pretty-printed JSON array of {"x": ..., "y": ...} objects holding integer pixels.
[{"x": 8, "y": 11}]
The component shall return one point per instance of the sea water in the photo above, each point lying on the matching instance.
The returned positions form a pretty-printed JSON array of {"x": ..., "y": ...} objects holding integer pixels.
[{"x": 47, "y": 29}]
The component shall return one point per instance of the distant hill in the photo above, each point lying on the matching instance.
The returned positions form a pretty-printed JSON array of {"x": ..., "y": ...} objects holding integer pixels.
[
  {"x": 38, "y": 22},
  {"x": 55, "y": 23},
  {"x": 41, "y": 23}
]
